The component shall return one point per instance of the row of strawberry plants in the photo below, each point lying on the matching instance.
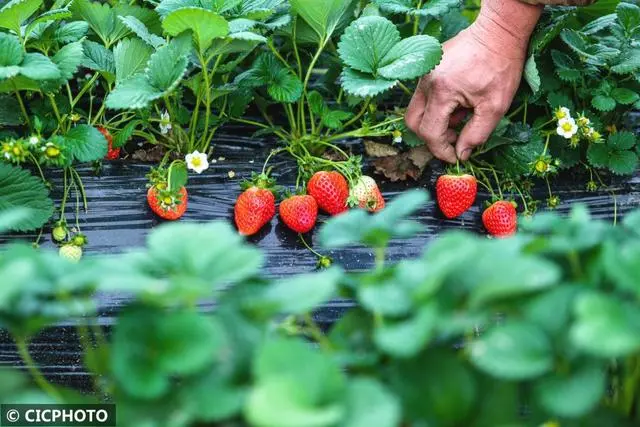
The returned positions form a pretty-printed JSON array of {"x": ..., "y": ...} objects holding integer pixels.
[
  {"x": 423, "y": 346},
  {"x": 80, "y": 79}
]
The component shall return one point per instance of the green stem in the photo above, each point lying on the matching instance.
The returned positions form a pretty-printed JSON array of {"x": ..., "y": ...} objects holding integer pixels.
[
  {"x": 361, "y": 113},
  {"x": 56, "y": 112},
  {"x": 84, "y": 89},
  {"x": 404, "y": 88},
  {"x": 380, "y": 257},
  {"x": 316, "y": 333},
  {"x": 416, "y": 23},
  {"x": 23, "y": 108},
  {"x": 306, "y": 245},
  {"x": 81, "y": 189},
  {"x": 37, "y": 376}
]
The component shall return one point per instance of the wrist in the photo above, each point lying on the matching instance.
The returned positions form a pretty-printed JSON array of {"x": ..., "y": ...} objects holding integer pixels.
[{"x": 505, "y": 26}]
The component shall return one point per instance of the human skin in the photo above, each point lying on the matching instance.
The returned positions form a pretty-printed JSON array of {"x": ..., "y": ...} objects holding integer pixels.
[{"x": 480, "y": 72}]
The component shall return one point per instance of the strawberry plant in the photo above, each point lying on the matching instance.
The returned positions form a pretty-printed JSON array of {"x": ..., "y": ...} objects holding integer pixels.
[{"x": 424, "y": 343}]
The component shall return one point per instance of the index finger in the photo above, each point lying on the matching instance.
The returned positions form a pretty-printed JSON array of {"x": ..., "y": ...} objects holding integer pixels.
[{"x": 434, "y": 127}]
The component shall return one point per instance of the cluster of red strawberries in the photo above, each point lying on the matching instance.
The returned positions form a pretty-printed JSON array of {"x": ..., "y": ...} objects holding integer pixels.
[
  {"x": 326, "y": 191},
  {"x": 457, "y": 193}
]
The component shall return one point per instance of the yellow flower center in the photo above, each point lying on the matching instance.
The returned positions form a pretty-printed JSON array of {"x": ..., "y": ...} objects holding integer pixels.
[
  {"x": 17, "y": 151},
  {"x": 196, "y": 162},
  {"x": 52, "y": 152},
  {"x": 167, "y": 200},
  {"x": 567, "y": 127},
  {"x": 541, "y": 166}
]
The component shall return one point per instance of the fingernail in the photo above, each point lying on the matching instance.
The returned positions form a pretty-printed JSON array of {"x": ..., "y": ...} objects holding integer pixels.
[{"x": 465, "y": 154}]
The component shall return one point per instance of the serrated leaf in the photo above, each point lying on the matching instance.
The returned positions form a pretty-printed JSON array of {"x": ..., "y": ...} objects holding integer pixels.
[
  {"x": 48, "y": 16},
  {"x": 514, "y": 159},
  {"x": 205, "y": 24},
  {"x": 629, "y": 16},
  {"x": 333, "y": 119},
  {"x": 241, "y": 24},
  {"x": 531, "y": 74},
  {"x": 595, "y": 54},
  {"x": 559, "y": 99},
  {"x": 68, "y": 59},
  {"x": 248, "y": 36},
  {"x": 411, "y": 58},
  {"x": 622, "y": 140},
  {"x": 432, "y": 8},
  {"x": 71, "y": 32},
  {"x": 86, "y": 143},
  {"x": 98, "y": 16},
  {"x": 599, "y": 24},
  {"x": 627, "y": 62},
  {"x": 624, "y": 96},
  {"x": 19, "y": 189},
  {"x": 603, "y": 103},
  {"x": 39, "y": 67},
  {"x": 166, "y": 67},
  {"x": 98, "y": 58},
  {"x": 545, "y": 34},
  {"x": 10, "y": 114},
  {"x": 623, "y": 162},
  {"x": 598, "y": 155},
  {"x": 364, "y": 85},
  {"x": 323, "y": 16},
  {"x": 11, "y": 55},
  {"x": 122, "y": 136},
  {"x": 141, "y": 30},
  {"x": 366, "y": 42},
  {"x": 130, "y": 57},
  {"x": 566, "y": 67},
  {"x": 14, "y": 13}
]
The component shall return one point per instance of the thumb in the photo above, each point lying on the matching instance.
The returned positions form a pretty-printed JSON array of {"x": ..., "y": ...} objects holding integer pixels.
[{"x": 476, "y": 132}]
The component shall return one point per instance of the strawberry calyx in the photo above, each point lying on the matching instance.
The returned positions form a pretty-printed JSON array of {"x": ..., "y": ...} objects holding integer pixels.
[
  {"x": 167, "y": 199},
  {"x": 262, "y": 181}
]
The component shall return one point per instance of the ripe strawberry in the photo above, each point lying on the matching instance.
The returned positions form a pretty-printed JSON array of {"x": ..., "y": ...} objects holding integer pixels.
[
  {"x": 500, "y": 219},
  {"x": 165, "y": 203},
  {"x": 112, "y": 153},
  {"x": 299, "y": 213},
  {"x": 254, "y": 208},
  {"x": 366, "y": 194},
  {"x": 330, "y": 190},
  {"x": 70, "y": 252},
  {"x": 456, "y": 194}
]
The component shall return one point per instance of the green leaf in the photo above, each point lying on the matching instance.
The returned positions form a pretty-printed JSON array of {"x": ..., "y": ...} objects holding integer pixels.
[
  {"x": 14, "y": 13},
  {"x": 19, "y": 189},
  {"x": 595, "y": 54},
  {"x": 178, "y": 176},
  {"x": 38, "y": 67},
  {"x": 295, "y": 386},
  {"x": 566, "y": 68},
  {"x": 11, "y": 55},
  {"x": 624, "y": 96},
  {"x": 622, "y": 140},
  {"x": 629, "y": 16},
  {"x": 369, "y": 403},
  {"x": 301, "y": 294},
  {"x": 141, "y": 30},
  {"x": 333, "y": 119},
  {"x": 13, "y": 217},
  {"x": 603, "y": 103},
  {"x": 531, "y": 74},
  {"x": 151, "y": 346},
  {"x": 205, "y": 24},
  {"x": 605, "y": 326},
  {"x": 68, "y": 59},
  {"x": 435, "y": 386},
  {"x": 98, "y": 58},
  {"x": 364, "y": 85},
  {"x": 71, "y": 32},
  {"x": 574, "y": 394},
  {"x": 627, "y": 62},
  {"x": 411, "y": 58},
  {"x": 408, "y": 337},
  {"x": 513, "y": 351},
  {"x": 167, "y": 67},
  {"x": 10, "y": 114},
  {"x": 86, "y": 143},
  {"x": 432, "y": 8},
  {"x": 323, "y": 16},
  {"x": 366, "y": 42},
  {"x": 358, "y": 227},
  {"x": 282, "y": 84},
  {"x": 99, "y": 16},
  {"x": 130, "y": 58},
  {"x": 48, "y": 16}
]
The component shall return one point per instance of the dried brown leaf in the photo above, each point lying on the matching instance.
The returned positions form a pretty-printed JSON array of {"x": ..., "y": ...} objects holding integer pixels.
[{"x": 375, "y": 149}]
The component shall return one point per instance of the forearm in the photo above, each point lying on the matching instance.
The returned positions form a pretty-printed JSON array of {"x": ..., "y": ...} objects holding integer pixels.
[{"x": 505, "y": 26}]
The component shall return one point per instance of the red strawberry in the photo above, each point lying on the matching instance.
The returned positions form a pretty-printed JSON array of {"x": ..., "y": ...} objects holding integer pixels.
[
  {"x": 112, "y": 153},
  {"x": 254, "y": 208},
  {"x": 299, "y": 213},
  {"x": 366, "y": 194},
  {"x": 456, "y": 194},
  {"x": 330, "y": 190},
  {"x": 166, "y": 204},
  {"x": 500, "y": 219}
]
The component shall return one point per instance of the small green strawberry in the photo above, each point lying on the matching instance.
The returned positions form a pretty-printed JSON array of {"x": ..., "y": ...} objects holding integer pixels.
[
  {"x": 79, "y": 240},
  {"x": 70, "y": 252},
  {"x": 59, "y": 232}
]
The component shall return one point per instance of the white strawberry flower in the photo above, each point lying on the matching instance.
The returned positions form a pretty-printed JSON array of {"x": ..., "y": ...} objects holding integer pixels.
[
  {"x": 397, "y": 136},
  {"x": 563, "y": 113},
  {"x": 197, "y": 161},
  {"x": 165, "y": 123},
  {"x": 567, "y": 128},
  {"x": 34, "y": 140}
]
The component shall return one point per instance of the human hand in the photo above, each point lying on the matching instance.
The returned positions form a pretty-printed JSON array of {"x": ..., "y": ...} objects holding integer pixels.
[{"x": 480, "y": 71}]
